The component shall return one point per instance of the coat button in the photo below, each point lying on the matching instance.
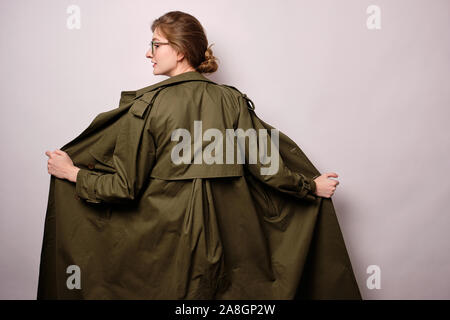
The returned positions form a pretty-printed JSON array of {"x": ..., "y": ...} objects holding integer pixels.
[
  {"x": 91, "y": 166},
  {"x": 77, "y": 197}
]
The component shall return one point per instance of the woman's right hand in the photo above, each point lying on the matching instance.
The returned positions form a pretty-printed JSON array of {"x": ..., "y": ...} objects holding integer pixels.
[{"x": 325, "y": 187}]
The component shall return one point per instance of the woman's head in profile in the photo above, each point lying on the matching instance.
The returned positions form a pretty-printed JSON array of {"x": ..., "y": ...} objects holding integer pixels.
[{"x": 179, "y": 44}]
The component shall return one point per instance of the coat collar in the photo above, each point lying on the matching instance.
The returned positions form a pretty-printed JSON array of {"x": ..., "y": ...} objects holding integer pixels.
[{"x": 182, "y": 77}]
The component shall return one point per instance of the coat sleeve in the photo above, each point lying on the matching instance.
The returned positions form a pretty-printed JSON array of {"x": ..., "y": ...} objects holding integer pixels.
[
  {"x": 280, "y": 177},
  {"x": 133, "y": 158}
]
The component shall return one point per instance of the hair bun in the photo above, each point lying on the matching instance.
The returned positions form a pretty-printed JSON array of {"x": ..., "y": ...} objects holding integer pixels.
[
  {"x": 209, "y": 64},
  {"x": 208, "y": 54}
]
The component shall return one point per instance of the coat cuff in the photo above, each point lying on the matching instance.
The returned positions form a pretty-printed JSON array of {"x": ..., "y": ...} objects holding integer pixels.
[
  {"x": 310, "y": 186},
  {"x": 307, "y": 187},
  {"x": 313, "y": 186},
  {"x": 85, "y": 185}
]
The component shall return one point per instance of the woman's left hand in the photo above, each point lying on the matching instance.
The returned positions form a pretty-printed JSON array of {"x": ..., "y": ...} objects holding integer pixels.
[{"x": 61, "y": 166}]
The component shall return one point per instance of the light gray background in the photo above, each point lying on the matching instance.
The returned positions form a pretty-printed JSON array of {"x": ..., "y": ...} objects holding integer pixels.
[{"x": 370, "y": 105}]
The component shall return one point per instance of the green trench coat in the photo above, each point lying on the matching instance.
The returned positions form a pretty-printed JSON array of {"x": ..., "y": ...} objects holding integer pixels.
[{"x": 140, "y": 226}]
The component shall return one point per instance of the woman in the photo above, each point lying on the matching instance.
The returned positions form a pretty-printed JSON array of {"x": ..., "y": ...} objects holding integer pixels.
[{"x": 168, "y": 206}]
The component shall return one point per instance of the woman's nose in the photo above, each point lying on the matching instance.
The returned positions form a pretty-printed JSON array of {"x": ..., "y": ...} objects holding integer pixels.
[{"x": 148, "y": 54}]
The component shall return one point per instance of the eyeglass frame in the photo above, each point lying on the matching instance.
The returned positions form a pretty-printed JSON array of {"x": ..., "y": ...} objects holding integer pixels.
[{"x": 152, "y": 43}]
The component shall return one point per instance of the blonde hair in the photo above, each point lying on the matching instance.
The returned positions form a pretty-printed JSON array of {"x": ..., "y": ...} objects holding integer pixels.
[{"x": 185, "y": 33}]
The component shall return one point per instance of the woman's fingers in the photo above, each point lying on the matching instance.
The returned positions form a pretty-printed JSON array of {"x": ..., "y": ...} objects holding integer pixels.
[
  {"x": 331, "y": 174},
  {"x": 334, "y": 175},
  {"x": 60, "y": 152},
  {"x": 331, "y": 183},
  {"x": 48, "y": 153}
]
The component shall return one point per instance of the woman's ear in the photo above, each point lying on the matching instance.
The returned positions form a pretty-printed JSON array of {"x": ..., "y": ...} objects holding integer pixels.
[{"x": 180, "y": 56}]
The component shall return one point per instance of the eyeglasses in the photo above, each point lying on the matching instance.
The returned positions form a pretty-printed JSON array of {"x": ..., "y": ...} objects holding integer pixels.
[{"x": 156, "y": 43}]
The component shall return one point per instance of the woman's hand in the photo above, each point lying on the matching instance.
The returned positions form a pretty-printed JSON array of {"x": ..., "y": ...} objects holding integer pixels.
[
  {"x": 325, "y": 187},
  {"x": 61, "y": 166}
]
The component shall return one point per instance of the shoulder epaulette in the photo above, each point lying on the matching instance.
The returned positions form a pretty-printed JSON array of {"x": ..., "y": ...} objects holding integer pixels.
[{"x": 251, "y": 105}]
